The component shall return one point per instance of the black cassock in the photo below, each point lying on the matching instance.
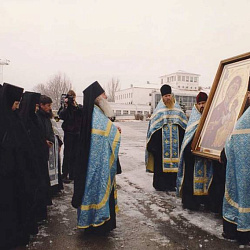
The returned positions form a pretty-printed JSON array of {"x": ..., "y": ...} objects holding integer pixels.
[
  {"x": 16, "y": 171},
  {"x": 189, "y": 200},
  {"x": 39, "y": 150}
]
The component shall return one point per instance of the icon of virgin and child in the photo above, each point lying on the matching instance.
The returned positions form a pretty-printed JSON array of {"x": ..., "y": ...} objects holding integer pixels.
[{"x": 223, "y": 117}]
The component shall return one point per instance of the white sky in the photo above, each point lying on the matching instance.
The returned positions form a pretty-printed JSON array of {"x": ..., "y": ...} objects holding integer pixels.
[{"x": 133, "y": 40}]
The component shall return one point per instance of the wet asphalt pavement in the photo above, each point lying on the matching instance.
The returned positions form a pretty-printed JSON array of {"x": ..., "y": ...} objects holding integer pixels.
[{"x": 148, "y": 219}]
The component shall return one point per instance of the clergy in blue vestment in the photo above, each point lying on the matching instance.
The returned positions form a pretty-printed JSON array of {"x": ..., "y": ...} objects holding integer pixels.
[
  {"x": 236, "y": 204},
  {"x": 94, "y": 185},
  {"x": 195, "y": 173},
  {"x": 164, "y": 137}
]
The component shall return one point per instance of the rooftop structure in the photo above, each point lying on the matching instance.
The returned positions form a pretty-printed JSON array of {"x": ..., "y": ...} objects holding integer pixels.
[{"x": 181, "y": 80}]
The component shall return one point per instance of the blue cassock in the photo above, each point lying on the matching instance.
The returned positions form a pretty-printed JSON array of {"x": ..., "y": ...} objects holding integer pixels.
[
  {"x": 236, "y": 204},
  {"x": 167, "y": 120},
  {"x": 102, "y": 167},
  {"x": 203, "y": 169}
]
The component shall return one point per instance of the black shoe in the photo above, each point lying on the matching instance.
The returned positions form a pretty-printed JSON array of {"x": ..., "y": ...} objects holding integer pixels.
[
  {"x": 171, "y": 189},
  {"x": 229, "y": 237},
  {"x": 67, "y": 181},
  {"x": 160, "y": 189},
  {"x": 64, "y": 176}
]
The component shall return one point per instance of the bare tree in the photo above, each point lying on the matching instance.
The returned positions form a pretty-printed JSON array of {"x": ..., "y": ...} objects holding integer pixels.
[
  {"x": 57, "y": 85},
  {"x": 41, "y": 88},
  {"x": 111, "y": 88}
]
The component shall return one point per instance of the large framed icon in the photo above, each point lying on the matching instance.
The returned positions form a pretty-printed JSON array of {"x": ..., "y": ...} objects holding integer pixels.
[{"x": 225, "y": 105}]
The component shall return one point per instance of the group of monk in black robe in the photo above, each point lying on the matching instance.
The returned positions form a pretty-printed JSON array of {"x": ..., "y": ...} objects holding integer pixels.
[{"x": 24, "y": 178}]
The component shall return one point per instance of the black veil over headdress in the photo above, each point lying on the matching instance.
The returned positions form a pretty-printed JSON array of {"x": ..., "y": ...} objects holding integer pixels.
[
  {"x": 28, "y": 105},
  {"x": 8, "y": 95},
  {"x": 89, "y": 96}
]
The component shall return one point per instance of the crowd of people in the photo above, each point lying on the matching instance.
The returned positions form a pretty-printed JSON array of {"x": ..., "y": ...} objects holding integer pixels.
[
  {"x": 26, "y": 137},
  {"x": 220, "y": 186},
  {"x": 29, "y": 178},
  {"x": 30, "y": 171}
]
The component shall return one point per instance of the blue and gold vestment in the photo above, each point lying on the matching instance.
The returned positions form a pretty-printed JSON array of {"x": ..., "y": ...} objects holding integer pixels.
[
  {"x": 102, "y": 167},
  {"x": 167, "y": 120},
  {"x": 203, "y": 170},
  {"x": 236, "y": 203}
]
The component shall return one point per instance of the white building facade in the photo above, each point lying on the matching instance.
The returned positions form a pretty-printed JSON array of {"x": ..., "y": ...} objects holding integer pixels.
[
  {"x": 134, "y": 100},
  {"x": 144, "y": 99},
  {"x": 137, "y": 94},
  {"x": 181, "y": 80},
  {"x": 129, "y": 111}
]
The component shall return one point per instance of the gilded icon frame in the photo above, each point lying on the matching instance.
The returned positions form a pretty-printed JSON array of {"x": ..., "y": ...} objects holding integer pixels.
[{"x": 225, "y": 104}]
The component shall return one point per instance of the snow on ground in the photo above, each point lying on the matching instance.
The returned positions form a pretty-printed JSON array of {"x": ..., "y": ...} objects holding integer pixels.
[
  {"x": 148, "y": 219},
  {"x": 136, "y": 194}
]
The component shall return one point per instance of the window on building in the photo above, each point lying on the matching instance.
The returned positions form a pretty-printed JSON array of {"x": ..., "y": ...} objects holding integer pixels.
[
  {"x": 139, "y": 112},
  {"x": 157, "y": 99},
  {"x": 187, "y": 78},
  {"x": 132, "y": 112},
  {"x": 174, "y": 78},
  {"x": 118, "y": 112},
  {"x": 145, "y": 112},
  {"x": 195, "y": 79},
  {"x": 150, "y": 94},
  {"x": 191, "y": 79},
  {"x": 190, "y": 87},
  {"x": 125, "y": 112},
  {"x": 183, "y": 78},
  {"x": 168, "y": 79},
  {"x": 179, "y": 78}
]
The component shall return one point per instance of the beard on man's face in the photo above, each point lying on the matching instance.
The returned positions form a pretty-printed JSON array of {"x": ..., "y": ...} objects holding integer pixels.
[
  {"x": 104, "y": 106},
  {"x": 169, "y": 102},
  {"x": 49, "y": 114},
  {"x": 201, "y": 109}
]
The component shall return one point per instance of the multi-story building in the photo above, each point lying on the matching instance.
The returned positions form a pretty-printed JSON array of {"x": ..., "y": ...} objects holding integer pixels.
[
  {"x": 181, "y": 80},
  {"x": 144, "y": 99},
  {"x": 134, "y": 100},
  {"x": 129, "y": 111},
  {"x": 137, "y": 94}
]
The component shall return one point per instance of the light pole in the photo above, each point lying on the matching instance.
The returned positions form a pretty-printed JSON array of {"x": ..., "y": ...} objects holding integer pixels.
[{"x": 2, "y": 63}]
